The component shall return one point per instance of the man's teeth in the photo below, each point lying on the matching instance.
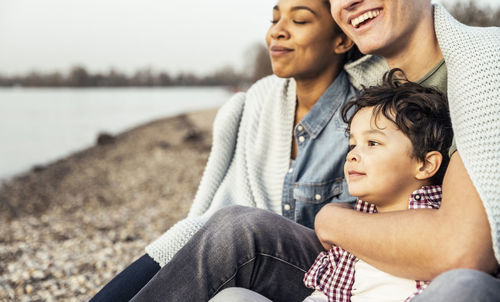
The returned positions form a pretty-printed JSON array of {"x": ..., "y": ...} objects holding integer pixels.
[{"x": 368, "y": 15}]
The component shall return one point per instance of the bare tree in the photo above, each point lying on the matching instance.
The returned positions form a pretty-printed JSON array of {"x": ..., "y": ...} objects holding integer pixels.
[
  {"x": 471, "y": 14},
  {"x": 78, "y": 77},
  {"x": 259, "y": 63}
]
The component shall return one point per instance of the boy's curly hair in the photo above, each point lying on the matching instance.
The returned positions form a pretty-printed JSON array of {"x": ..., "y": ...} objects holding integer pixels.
[{"x": 421, "y": 113}]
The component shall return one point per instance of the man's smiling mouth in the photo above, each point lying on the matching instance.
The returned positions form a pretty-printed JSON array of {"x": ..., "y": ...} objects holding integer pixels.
[{"x": 356, "y": 22}]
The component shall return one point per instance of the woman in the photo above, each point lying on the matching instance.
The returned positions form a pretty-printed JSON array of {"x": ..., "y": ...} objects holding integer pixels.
[{"x": 280, "y": 146}]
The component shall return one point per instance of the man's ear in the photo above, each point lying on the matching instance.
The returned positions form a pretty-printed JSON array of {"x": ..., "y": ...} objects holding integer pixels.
[
  {"x": 342, "y": 43},
  {"x": 430, "y": 165}
]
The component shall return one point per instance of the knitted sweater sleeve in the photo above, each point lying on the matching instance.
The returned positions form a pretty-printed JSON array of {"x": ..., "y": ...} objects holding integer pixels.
[
  {"x": 225, "y": 132},
  {"x": 472, "y": 57}
]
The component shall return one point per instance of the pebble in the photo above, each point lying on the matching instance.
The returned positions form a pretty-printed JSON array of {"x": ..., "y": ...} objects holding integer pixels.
[{"x": 38, "y": 275}]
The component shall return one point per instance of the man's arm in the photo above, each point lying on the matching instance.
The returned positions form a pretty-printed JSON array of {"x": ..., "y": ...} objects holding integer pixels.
[{"x": 418, "y": 244}]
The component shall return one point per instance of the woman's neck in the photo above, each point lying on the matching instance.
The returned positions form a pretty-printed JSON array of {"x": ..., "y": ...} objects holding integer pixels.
[{"x": 309, "y": 91}]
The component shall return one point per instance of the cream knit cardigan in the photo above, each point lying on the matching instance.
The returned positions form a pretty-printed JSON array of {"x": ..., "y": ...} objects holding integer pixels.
[
  {"x": 253, "y": 132},
  {"x": 250, "y": 156},
  {"x": 472, "y": 56}
]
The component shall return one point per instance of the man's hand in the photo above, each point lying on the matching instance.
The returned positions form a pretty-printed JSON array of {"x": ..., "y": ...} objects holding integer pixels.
[{"x": 321, "y": 222}]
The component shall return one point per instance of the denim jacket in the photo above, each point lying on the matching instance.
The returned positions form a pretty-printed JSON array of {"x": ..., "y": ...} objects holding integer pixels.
[{"x": 316, "y": 176}]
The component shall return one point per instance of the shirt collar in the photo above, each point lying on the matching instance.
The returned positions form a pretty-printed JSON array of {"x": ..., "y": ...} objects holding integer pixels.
[
  {"x": 427, "y": 197},
  {"x": 326, "y": 106}
]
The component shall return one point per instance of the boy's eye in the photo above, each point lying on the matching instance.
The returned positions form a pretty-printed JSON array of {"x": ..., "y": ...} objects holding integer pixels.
[
  {"x": 373, "y": 143},
  {"x": 351, "y": 147}
]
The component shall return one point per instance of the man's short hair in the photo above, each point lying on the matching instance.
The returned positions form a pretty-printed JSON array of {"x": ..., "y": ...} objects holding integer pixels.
[{"x": 421, "y": 113}]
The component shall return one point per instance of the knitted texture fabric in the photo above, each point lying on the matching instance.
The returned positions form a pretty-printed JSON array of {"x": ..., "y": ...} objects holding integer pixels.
[
  {"x": 250, "y": 156},
  {"x": 472, "y": 56},
  {"x": 367, "y": 71}
]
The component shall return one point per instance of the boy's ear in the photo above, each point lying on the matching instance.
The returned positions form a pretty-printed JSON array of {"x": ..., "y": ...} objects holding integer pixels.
[
  {"x": 342, "y": 43},
  {"x": 430, "y": 165}
]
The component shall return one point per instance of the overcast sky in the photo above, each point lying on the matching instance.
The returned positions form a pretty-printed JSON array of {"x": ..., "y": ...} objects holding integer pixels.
[{"x": 173, "y": 35}]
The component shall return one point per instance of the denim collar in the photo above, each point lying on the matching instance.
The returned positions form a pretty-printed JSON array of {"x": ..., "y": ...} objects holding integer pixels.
[{"x": 327, "y": 105}]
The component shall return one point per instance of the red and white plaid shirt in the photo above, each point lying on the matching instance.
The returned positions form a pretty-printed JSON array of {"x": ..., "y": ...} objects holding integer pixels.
[{"x": 333, "y": 272}]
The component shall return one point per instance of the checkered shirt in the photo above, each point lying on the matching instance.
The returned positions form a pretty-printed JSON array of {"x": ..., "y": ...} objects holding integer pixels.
[{"x": 333, "y": 272}]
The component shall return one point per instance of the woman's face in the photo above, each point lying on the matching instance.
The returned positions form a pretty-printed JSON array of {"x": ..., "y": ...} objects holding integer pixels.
[
  {"x": 381, "y": 27},
  {"x": 301, "y": 39}
]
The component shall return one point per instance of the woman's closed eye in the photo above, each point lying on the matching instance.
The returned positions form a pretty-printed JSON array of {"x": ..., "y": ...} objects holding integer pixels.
[{"x": 300, "y": 22}]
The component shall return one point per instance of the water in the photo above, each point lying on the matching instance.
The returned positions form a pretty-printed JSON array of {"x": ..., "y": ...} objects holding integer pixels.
[{"x": 38, "y": 126}]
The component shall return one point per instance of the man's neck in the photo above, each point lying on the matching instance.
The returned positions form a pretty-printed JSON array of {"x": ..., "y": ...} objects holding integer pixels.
[{"x": 421, "y": 52}]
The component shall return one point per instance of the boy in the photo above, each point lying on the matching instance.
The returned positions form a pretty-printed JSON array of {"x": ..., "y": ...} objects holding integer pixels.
[{"x": 399, "y": 136}]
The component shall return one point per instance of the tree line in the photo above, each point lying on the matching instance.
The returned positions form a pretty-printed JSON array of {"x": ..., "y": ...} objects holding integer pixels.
[
  {"x": 78, "y": 76},
  {"x": 258, "y": 64}
]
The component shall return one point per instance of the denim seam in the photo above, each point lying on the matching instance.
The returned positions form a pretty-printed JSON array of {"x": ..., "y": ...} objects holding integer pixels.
[
  {"x": 253, "y": 259},
  {"x": 233, "y": 275},
  {"x": 285, "y": 261}
]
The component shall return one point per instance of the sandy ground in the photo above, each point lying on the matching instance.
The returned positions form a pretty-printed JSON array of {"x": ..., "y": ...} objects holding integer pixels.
[{"x": 68, "y": 227}]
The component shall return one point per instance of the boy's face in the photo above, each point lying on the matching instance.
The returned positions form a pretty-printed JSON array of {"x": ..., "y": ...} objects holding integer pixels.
[
  {"x": 380, "y": 168},
  {"x": 380, "y": 27}
]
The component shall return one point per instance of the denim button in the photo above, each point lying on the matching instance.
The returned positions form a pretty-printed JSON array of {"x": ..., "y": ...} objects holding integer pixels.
[
  {"x": 290, "y": 170},
  {"x": 287, "y": 207},
  {"x": 317, "y": 197},
  {"x": 300, "y": 128},
  {"x": 301, "y": 139}
]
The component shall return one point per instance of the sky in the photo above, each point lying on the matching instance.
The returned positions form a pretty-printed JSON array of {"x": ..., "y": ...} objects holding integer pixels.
[{"x": 197, "y": 36}]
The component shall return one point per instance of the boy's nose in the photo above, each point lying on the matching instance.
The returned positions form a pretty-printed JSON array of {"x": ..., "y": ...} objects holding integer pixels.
[{"x": 353, "y": 156}]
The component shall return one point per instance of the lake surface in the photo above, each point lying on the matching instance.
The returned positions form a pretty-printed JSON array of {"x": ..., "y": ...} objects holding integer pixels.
[{"x": 38, "y": 126}]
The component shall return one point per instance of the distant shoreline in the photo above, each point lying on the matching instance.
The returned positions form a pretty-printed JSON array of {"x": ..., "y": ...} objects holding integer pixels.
[
  {"x": 40, "y": 166},
  {"x": 41, "y": 125}
]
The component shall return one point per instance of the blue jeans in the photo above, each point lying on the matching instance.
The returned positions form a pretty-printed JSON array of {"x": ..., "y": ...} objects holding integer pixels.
[{"x": 239, "y": 247}]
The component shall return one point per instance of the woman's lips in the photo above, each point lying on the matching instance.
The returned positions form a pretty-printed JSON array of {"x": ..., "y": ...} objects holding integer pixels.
[
  {"x": 280, "y": 50},
  {"x": 355, "y": 174}
]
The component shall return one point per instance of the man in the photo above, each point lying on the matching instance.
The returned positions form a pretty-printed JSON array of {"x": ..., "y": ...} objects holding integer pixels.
[
  {"x": 402, "y": 32},
  {"x": 425, "y": 244}
]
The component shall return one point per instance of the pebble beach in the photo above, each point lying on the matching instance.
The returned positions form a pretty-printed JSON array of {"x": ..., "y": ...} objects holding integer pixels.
[{"x": 69, "y": 226}]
